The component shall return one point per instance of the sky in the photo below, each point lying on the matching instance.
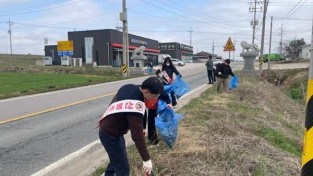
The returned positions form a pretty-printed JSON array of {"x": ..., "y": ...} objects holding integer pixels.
[{"x": 198, "y": 22}]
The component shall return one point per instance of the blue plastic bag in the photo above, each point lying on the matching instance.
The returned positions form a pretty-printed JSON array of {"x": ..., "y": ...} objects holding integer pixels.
[
  {"x": 168, "y": 89},
  {"x": 233, "y": 83},
  {"x": 167, "y": 124},
  {"x": 161, "y": 106},
  {"x": 180, "y": 87}
]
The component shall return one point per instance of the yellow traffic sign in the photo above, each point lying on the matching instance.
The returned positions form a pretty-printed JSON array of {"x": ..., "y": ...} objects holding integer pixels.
[
  {"x": 65, "y": 45},
  {"x": 229, "y": 45}
]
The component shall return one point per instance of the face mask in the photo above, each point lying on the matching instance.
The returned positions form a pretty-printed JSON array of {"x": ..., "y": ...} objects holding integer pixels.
[{"x": 168, "y": 64}]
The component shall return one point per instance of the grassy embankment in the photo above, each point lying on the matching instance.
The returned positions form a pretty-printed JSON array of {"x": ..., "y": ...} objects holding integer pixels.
[
  {"x": 255, "y": 130},
  {"x": 19, "y": 75}
]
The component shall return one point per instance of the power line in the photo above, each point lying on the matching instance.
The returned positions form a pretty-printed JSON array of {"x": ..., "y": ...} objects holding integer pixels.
[
  {"x": 196, "y": 20},
  {"x": 253, "y": 8},
  {"x": 34, "y": 11},
  {"x": 33, "y": 6},
  {"x": 292, "y": 11}
]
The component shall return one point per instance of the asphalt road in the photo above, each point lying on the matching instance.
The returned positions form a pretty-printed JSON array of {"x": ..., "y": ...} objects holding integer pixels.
[{"x": 30, "y": 144}]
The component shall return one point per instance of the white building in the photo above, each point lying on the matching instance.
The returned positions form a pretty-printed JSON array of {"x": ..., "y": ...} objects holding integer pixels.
[{"x": 305, "y": 52}]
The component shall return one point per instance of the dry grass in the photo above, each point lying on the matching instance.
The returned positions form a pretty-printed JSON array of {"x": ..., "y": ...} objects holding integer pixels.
[{"x": 221, "y": 135}]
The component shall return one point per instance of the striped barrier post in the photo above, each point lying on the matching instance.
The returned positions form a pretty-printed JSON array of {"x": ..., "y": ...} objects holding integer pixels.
[
  {"x": 124, "y": 70},
  {"x": 307, "y": 151}
]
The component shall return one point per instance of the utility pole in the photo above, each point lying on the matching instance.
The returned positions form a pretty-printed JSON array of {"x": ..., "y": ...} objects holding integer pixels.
[
  {"x": 254, "y": 22},
  {"x": 270, "y": 47},
  {"x": 123, "y": 18},
  {"x": 281, "y": 40},
  {"x": 263, "y": 33},
  {"x": 213, "y": 48},
  {"x": 45, "y": 42},
  {"x": 10, "y": 33},
  {"x": 234, "y": 50},
  {"x": 190, "y": 42}
]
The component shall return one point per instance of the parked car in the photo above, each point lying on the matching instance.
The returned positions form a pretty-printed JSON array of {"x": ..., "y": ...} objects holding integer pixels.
[
  {"x": 216, "y": 61},
  {"x": 178, "y": 62}
]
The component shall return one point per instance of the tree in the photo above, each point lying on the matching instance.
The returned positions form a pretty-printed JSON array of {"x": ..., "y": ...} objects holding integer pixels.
[{"x": 294, "y": 48}]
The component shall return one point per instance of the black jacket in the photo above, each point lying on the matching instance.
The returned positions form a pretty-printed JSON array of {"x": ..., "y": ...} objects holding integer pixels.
[
  {"x": 169, "y": 70},
  {"x": 224, "y": 69}
]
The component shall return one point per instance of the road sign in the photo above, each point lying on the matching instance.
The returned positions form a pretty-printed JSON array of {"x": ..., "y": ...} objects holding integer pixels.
[
  {"x": 65, "y": 53},
  {"x": 229, "y": 45},
  {"x": 65, "y": 45}
]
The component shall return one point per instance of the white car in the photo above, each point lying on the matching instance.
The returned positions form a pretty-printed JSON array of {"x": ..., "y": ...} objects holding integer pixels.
[
  {"x": 216, "y": 61},
  {"x": 178, "y": 62}
]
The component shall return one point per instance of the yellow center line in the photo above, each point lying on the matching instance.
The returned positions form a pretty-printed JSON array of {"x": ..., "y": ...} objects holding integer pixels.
[{"x": 53, "y": 109}]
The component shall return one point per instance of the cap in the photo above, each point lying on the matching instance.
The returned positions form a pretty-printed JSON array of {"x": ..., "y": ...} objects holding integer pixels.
[{"x": 227, "y": 61}]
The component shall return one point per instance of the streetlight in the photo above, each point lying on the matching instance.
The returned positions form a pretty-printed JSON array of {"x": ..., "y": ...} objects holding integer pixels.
[{"x": 108, "y": 53}]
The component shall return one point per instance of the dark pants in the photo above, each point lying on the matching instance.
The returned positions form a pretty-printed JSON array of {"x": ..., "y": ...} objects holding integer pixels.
[
  {"x": 210, "y": 76},
  {"x": 116, "y": 149},
  {"x": 152, "y": 135},
  {"x": 173, "y": 97}
]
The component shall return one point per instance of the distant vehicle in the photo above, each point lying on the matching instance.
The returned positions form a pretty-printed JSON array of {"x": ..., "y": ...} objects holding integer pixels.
[
  {"x": 216, "y": 61},
  {"x": 178, "y": 62},
  {"x": 274, "y": 57}
]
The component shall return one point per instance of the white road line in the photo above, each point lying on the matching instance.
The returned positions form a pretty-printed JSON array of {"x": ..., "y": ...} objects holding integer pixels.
[{"x": 65, "y": 159}]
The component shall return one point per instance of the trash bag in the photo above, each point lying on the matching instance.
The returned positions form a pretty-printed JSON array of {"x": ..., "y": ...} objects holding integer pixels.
[
  {"x": 180, "y": 87},
  {"x": 161, "y": 106},
  {"x": 233, "y": 83},
  {"x": 168, "y": 89},
  {"x": 167, "y": 124}
]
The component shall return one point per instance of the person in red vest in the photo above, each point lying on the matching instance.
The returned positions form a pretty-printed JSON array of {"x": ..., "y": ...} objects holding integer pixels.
[{"x": 124, "y": 113}]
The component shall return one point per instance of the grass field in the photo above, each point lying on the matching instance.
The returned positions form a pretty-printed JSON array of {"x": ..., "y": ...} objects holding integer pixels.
[
  {"x": 19, "y": 75},
  {"x": 16, "y": 84},
  {"x": 18, "y": 60}
]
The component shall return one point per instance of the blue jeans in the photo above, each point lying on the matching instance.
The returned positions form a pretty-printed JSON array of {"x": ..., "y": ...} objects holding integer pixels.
[{"x": 116, "y": 149}]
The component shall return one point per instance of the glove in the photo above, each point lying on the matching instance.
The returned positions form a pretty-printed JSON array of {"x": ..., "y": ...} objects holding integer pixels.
[
  {"x": 219, "y": 73},
  {"x": 147, "y": 166},
  {"x": 144, "y": 132}
]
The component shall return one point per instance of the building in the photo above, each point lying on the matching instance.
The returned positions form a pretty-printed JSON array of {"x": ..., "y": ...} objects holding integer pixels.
[
  {"x": 51, "y": 50},
  {"x": 305, "y": 52},
  {"x": 176, "y": 50},
  {"x": 105, "y": 47},
  {"x": 203, "y": 56},
  {"x": 108, "y": 46}
]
